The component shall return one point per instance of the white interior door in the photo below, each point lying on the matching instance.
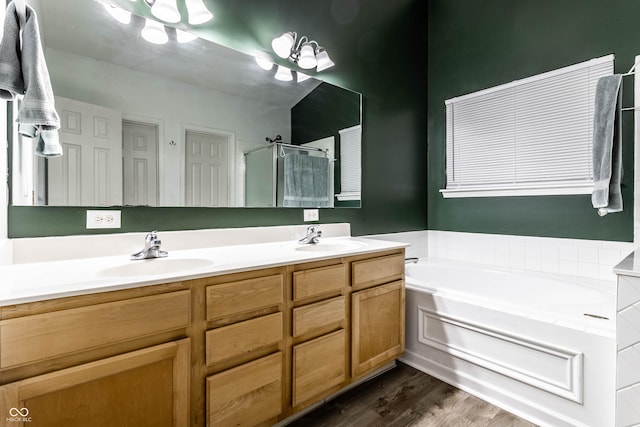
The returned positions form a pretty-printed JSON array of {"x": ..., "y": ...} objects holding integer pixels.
[
  {"x": 207, "y": 169},
  {"x": 140, "y": 163},
  {"x": 90, "y": 171}
]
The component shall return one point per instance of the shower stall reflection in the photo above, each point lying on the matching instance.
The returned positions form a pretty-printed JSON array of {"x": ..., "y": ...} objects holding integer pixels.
[{"x": 289, "y": 175}]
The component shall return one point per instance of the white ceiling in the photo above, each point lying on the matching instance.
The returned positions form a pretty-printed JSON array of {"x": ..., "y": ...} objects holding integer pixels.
[{"x": 84, "y": 27}]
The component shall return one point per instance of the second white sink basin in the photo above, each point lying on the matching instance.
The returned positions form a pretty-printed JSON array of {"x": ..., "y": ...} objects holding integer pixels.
[
  {"x": 331, "y": 247},
  {"x": 150, "y": 267}
]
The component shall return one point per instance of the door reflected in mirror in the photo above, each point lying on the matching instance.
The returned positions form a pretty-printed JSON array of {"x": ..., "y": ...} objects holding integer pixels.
[{"x": 176, "y": 124}]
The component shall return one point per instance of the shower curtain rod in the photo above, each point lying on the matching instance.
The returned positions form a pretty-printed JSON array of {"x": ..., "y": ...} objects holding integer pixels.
[{"x": 282, "y": 144}]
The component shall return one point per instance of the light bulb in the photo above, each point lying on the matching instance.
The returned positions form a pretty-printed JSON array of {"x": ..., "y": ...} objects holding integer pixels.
[
  {"x": 198, "y": 12},
  {"x": 307, "y": 59},
  {"x": 153, "y": 32},
  {"x": 323, "y": 59},
  {"x": 283, "y": 74},
  {"x": 120, "y": 15},
  {"x": 282, "y": 45},
  {"x": 184, "y": 36}
]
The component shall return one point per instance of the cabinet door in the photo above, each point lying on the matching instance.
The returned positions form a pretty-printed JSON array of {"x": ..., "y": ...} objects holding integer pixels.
[
  {"x": 378, "y": 326},
  {"x": 318, "y": 365},
  {"x": 148, "y": 387},
  {"x": 246, "y": 395}
]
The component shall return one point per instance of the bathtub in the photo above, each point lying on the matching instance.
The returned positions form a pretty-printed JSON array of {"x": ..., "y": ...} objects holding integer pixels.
[{"x": 538, "y": 345}]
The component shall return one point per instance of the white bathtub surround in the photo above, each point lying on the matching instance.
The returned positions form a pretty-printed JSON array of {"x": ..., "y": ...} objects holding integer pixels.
[
  {"x": 42, "y": 249},
  {"x": 418, "y": 241},
  {"x": 573, "y": 257},
  {"x": 516, "y": 339}
]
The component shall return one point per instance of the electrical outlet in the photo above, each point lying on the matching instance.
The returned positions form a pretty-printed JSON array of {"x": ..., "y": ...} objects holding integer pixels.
[
  {"x": 103, "y": 219},
  {"x": 311, "y": 215}
]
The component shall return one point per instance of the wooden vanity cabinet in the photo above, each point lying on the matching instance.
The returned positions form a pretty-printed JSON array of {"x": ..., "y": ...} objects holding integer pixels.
[
  {"x": 378, "y": 312},
  {"x": 243, "y": 349},
  {"x": 116, "y": 358}
]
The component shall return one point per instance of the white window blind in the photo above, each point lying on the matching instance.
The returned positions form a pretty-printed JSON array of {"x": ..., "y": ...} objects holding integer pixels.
[
  {"x": 350, "y": 163},
  {"x": 531, "y": 136}
]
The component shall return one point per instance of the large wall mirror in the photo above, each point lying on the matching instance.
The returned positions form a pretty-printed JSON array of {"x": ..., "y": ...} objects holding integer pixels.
[{"x": 182, "y": 124}]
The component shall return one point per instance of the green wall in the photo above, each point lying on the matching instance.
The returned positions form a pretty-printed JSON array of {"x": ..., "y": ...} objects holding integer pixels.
[
  {"x": 474, "y": 45},
  {"x": 321, "y": 114},
  {"x": 370, "y": 41}
]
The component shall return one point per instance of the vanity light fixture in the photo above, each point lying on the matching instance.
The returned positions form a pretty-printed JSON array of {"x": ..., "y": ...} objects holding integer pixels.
[
  {"x": 198, "y": 12},
  {"x": 120, "y": 15},
  {"x": 306, "y": 53},
  {"x": 154, "y": 32}
]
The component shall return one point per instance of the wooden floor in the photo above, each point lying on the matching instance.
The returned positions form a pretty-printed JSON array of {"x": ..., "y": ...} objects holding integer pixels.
[{"x": 405, "y": 396}]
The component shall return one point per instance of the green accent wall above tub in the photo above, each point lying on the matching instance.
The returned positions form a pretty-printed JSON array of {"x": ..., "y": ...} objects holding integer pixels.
[{"x": 474, "y": 45}]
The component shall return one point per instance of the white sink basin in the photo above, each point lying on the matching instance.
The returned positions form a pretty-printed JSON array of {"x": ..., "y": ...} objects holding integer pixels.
[
  {"x": 331, "y": 247},
  {"x": 150, "y": 267}
]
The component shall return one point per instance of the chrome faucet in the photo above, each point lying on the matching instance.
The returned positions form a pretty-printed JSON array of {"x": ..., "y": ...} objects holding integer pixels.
[
  {"x": 313, "y": 235},
  {"x": 151, "y": 248}
]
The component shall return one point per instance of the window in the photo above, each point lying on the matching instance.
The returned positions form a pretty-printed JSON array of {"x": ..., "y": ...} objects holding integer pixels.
[
  {"x": 528, "y": 137},
  {"x": 350, "y": 163}
]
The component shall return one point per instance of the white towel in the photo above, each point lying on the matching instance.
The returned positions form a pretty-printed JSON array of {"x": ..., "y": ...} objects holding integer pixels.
[{"x": 23, "y": 72}]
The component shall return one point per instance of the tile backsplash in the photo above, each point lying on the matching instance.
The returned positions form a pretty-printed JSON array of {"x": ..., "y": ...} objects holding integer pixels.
[
  {"x": 593, "y": 259},
  {"x": 575, "y": 257}
]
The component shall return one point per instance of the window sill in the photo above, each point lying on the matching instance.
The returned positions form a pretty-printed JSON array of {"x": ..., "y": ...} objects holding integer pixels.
[
  {"x": 548, "y": 190},
  {"x": 348, "y": 196}
]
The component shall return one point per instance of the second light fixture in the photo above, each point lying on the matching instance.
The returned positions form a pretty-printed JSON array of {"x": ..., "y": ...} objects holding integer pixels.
[{"x": 306, "y": 53}]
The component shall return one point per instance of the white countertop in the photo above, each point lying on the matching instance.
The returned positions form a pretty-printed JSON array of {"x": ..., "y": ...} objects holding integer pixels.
[
  {"x": 630, "y": 266},
  {"x": 22, "y": 283}
]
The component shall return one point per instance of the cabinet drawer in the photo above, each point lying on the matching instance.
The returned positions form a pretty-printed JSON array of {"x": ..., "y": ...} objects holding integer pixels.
[
  {"x": 318, "y": 281},
  {"x": 375, "y": 271},
  {"x": 244, "y": 296},
  {"x": 315, "y": 316},
  {"x": 246, "y": 395},
  {"x": 243, "y": 337},
  {"x": 318, "y": 365},
  {"x": 28, "y": 339}
]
